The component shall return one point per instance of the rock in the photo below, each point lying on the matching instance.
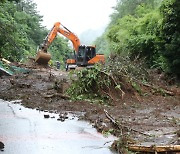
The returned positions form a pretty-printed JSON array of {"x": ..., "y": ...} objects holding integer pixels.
[
  {"x": 46, "y": 116},
  {"x": 61, "y": 119},
  {"x": 63, "y": 116},
  {"x": 1, "y": 145}
]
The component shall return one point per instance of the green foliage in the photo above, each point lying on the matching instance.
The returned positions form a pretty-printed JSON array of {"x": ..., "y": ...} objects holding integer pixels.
[
  {"x": 102, "y": 45},
  {"x": 105, "y": 83},
  {"x": 118, "y": 34},
  {"x": 120, "y": 66},
  {"x": 137, "y": 35},
  {"x": 170, "y": 33},
  {"x": 137, "y": 87},
  {"x": 128, "y": 7},
  {"x": 59, "y": 49},
  {"x": 121, "y": 145},
  {"x": 16, "y": 38},
  {"x": 108, "y": 132},
  {"x": 86, "y": 83},
  {"x": 21, "y": 32},
  {"x": 9, "y": 33},
  {"x": 147, "y": 29},
  {"x": 2, "y": 1}
]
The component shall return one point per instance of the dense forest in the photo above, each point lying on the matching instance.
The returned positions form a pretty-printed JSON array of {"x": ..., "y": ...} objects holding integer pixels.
[
  {"x": 21, "y": 32},
  {"x": 145, "y": 29},
  {"x": 148, "y": 30}
]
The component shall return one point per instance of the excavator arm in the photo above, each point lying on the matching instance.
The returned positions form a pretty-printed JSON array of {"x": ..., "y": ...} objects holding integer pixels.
[
  {"x": 42, "y": 55},
  {"x": 71, "y": 36},
  {"x": 50, "y": 37}
]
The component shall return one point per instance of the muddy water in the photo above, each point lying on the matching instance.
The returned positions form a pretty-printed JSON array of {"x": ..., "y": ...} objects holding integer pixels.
[{"x": 26, "y": 131}]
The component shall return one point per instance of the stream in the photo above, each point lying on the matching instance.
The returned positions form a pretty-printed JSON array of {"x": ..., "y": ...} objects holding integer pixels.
[{"x": 26, "y": 131}]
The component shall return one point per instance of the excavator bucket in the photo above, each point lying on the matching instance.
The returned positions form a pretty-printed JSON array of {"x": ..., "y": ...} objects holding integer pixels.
[{"x": 42, "y": 58}]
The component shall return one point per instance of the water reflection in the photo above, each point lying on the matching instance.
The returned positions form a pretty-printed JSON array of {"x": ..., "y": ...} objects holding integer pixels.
[{"x": 25, "y": 130}]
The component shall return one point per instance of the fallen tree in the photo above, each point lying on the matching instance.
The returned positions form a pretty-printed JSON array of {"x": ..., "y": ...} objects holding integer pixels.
[{"x": 154, "y": 148}]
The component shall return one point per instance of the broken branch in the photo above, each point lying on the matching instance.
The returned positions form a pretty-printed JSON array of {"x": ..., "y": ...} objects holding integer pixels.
[
  {"x": 56, "y": 94},
  {"x": 115, "y": 122}
]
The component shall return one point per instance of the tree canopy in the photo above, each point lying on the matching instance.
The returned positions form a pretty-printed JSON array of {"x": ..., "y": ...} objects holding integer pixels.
[
  {"x": 21, "y": 31},
  {"x": 170, "y": 34},
  {"x": 148, "y": 29}
]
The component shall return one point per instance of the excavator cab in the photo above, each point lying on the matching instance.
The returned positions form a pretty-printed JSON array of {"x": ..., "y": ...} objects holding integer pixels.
[{"x": 84, "y": 54}]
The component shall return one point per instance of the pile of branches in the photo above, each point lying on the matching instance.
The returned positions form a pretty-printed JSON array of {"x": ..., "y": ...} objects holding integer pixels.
[{"x": 112, "y": 81}]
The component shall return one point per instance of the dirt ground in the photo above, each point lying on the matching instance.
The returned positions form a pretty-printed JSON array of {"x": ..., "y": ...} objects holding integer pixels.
[{"x": 147, "y": 120}]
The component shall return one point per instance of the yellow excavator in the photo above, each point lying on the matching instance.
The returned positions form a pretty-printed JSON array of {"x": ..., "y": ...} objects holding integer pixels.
[{"x": 83, "y": 55}]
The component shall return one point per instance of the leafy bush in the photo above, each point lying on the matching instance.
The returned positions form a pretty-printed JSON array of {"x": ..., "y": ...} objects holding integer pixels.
[{"x": 87, "y": 84}]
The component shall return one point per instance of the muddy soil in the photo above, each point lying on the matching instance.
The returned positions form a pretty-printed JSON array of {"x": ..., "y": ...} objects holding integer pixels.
[{"x": 150, "y": 119}]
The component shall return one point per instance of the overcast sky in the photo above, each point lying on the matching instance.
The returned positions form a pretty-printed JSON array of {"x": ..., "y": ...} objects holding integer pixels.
[{"x": 76, "y": 15}]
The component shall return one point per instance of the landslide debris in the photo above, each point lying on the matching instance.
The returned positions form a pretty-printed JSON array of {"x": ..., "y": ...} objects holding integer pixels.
[{"x": 143, "y": 105}]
